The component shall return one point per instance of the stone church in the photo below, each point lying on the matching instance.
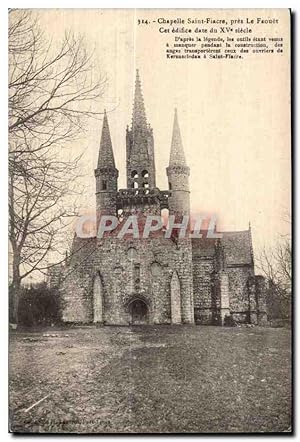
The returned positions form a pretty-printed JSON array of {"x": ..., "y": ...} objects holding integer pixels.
[{"x": 155, "y": 280}]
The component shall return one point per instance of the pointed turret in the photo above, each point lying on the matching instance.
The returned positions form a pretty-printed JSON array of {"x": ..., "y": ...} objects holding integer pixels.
[
  {"x": 178, "y": 175},
  {"x": 106, "y": 174},
  {"x": 177, "y": 157},
  {"x": 140, "y": 144},
  {"x": 106, "y": 155}
]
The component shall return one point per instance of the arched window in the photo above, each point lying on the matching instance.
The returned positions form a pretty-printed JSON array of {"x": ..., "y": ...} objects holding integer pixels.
[
  {"x": 134, "y": 174},
  {"x": 145, "y": 174},
  {"x": 170, "y": 186},
  {"x": 132, "y": 253},
  {"x": 155, "y": 269},
  {"x": 104, "y": 185},
  {"x": 135, "y": 185}
]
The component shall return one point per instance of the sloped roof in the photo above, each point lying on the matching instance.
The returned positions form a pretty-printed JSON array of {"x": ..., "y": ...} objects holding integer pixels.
[
  {"x": 203, "y": 247},
  {"x": 238, "y": 247}
]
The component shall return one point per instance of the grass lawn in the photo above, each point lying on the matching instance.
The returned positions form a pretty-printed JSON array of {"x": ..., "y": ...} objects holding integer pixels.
[{"x": 151, "y": 379}]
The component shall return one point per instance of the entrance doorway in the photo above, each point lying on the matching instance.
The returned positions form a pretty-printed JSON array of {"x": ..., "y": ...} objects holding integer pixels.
[{"x": 139, "y": 312}]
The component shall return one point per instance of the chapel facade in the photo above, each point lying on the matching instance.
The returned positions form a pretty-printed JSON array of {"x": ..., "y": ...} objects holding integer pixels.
[{"x": 155, "y": 280}]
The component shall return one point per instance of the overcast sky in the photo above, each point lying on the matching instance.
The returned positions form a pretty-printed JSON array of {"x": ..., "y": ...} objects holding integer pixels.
[{"x": 234, "y": 114}]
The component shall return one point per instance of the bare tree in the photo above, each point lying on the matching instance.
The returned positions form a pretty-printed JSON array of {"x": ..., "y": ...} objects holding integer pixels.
[
  {"x": 51, "y": 96},
  {"x": 276, "y": 265}
]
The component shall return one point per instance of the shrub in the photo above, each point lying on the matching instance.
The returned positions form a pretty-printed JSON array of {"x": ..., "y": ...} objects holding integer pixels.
[
  {"x": 39, "y": 305},
  {"x": 229, "y": 321}
]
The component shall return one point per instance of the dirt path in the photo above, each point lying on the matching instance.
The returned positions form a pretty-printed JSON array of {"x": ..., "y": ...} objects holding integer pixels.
[{"x": 151, "y": 379}]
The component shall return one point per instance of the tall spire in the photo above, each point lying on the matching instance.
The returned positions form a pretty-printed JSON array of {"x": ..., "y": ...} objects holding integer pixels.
[
  {"x": 139, "y": 119},
  {"x": 177, "y": 157},
  {"x": 140, "y": 162},
  {"x": 178, "y": 175},
  {"x": 106, "y": 155}
]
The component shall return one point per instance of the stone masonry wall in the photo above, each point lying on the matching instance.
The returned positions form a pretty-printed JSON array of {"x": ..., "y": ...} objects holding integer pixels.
[
  {"x": 203, "y": 274},
  {"x": 207, "y": 287},
  {"x": 128, "y": 269},
  {"x": 239, "y": 291},
  {"x": 131, "y": 269}
]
